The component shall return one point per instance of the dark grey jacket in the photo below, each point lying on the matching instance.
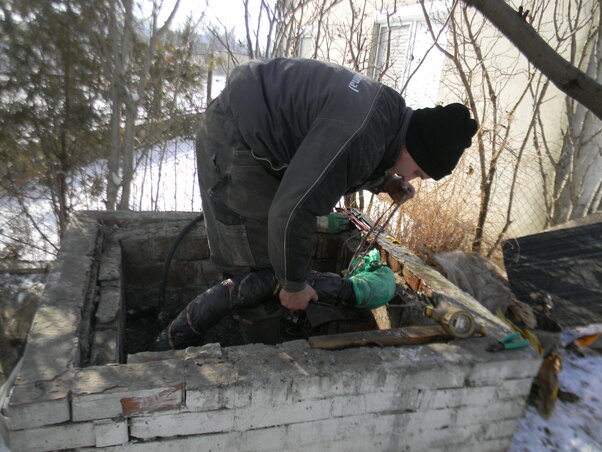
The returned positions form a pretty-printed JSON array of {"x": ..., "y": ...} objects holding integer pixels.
[{"x": 325, "y": 131}]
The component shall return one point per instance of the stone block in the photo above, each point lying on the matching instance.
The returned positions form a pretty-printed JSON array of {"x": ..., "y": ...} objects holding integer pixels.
[
  {"x": 446, "y": 438},
  {"x": 37, "y": 404},
  {"x": 496, "y": 412},
  {"x": 495, "y": 371},
  {"x": 494, "y": 445},
  {"x": 147, "y": 357},
  {"x": 425, "y": 378},
  {"x": 406, "y": 400},
  {"x": 329, "y": 385},
  {"x": 146, "y": 296},
  {"x": 105, "y": 348},
  {"x": 375, "y": 402},
  {"x": 146, "y": 274},
  {"x": 110, "y": 432},
  {"x": 181, "y": 424},
  {"x": 341, "y": 406},
  {"x": 210, "y": 274},
  {"x": 267, "y": 440},
  {"x": 321, "y": 434},
  {"x": 514, "y": 389},
  {"x": 110, "y": 262},
  {"x": 253, "y": 417},
  {"x": 182, "y": 273},
  {"x": 109, "y": 306},
  {"x": 501, "y": 429},
  {"x": 451, "y": 398},
  {"x": 306, "y": 434},
  {"x": 207, "y": 352},
  {"x": 193, "y": 247},
  {"x": 126, "y": 390},
  {"x": 154, "y": 244},
  {"x": 65, "y": 436},
  {"x": 213, "y": 384},
  {"x": 145, "y": 247},
  {"x": 54, "y": 328}
]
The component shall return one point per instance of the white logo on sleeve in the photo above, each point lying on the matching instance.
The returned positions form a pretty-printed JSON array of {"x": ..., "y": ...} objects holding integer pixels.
[{"x": 355, "y": 83}]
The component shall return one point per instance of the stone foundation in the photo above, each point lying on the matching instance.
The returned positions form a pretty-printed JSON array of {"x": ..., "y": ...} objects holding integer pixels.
[{"x": 82, "y": 384}]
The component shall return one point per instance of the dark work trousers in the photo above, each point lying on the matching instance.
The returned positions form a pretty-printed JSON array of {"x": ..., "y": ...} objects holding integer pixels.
[{"x": 236, "y": 191}]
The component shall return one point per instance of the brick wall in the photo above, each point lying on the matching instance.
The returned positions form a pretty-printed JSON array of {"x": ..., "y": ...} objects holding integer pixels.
[{"x": 452, "y": 396}]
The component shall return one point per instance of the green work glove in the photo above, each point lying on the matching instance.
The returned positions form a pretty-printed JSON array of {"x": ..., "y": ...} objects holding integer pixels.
[
  {"x": 333, "y": 223},
  {"x": 373, "y": 282}
]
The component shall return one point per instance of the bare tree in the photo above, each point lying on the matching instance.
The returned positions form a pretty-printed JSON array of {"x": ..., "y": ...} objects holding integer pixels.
[
  {"x": 501, "y": 142},
  {"x": 567, "y": 77},
  {"x": 128, "y": 86},
  {"x": 276, "y": 30},
  {"x": 571, "y": 177}
]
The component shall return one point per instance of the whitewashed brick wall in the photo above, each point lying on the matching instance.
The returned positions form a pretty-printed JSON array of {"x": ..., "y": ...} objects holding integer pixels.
[{"x": 452, "y": 396}]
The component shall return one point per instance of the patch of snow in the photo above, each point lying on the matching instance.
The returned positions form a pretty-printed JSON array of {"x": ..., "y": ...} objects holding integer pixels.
[
  {"x": 167, "y": 180},
  {"x": 16, "y": 286},
  {"x": 572, "y": 426}
]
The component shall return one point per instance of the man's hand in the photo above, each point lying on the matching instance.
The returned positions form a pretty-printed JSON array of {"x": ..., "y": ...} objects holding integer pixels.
[
  {"x": 298, "y": 301},
  {"x": 399, "y": 190}
]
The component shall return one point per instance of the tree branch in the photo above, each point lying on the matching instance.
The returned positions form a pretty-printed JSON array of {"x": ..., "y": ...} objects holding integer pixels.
[{"x": 569, "y": 79}]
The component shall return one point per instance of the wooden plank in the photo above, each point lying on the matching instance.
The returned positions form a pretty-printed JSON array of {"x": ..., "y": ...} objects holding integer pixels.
[{"x": 412, "y": 335}]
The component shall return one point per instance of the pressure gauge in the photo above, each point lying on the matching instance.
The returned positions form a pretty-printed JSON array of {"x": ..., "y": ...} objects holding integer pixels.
[{"x": 458, "y": 323}]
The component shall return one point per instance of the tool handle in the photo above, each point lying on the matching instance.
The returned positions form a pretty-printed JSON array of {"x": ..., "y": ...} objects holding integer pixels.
[
  {"x": 516, "y": 344},
  {"x": 510, "y": 338}
]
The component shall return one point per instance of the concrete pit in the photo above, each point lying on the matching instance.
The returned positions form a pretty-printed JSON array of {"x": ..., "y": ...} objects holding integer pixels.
[{"x": 86, "y": 381}]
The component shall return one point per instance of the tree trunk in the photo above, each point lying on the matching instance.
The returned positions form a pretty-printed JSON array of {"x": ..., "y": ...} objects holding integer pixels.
[
  {"x": 577, "y": 177},
  {"x": 128, "y": 153},
  {"x": 562, "y": 73}
]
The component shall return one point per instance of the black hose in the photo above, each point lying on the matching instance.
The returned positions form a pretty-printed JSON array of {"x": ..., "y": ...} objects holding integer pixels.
[{"x": 167, "y": 264}]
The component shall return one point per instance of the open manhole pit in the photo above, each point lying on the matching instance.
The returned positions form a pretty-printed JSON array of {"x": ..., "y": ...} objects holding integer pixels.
[
  {"x": 191, "y": 273},
  {"x": 85, "y": 380}
]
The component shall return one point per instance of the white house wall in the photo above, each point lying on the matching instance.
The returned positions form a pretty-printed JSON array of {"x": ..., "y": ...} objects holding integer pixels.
[{"x": 528, "y": 208}]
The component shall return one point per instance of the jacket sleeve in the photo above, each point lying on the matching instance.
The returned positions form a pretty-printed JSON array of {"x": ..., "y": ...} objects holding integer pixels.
[{"x": 332, "y": 160}]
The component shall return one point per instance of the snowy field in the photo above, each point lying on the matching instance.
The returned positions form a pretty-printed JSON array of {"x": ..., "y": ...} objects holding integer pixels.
[{"x": 165, "y": 180}]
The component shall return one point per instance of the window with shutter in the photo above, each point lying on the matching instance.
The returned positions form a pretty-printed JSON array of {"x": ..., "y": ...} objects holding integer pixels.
[
  {"x": 403, "y": 59},
  {"x": 392, "y": 51}
]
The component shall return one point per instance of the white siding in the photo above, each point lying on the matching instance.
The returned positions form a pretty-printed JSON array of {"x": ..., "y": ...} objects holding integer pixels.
[{"x": 414, "y": 65}]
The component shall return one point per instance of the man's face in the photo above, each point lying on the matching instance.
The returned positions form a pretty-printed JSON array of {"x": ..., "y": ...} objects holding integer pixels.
[{"x": 407, "y": 168}]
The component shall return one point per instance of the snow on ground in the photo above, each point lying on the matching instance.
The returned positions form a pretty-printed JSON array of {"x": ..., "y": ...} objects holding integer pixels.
[
  {"x": 16, "y": 286},
  {"x": 13, "y": 223},
  {"x": 572, "y": 426},
  {"x": 165, "y": 180}
]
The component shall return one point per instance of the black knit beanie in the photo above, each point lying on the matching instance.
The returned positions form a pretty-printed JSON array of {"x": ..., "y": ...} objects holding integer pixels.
[{"x": 437, "y": 137}]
